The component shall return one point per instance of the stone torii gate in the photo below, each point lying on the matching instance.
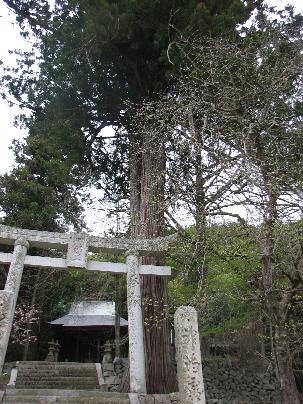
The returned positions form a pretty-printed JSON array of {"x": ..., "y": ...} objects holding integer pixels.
[{"x": 77, "y": 246}]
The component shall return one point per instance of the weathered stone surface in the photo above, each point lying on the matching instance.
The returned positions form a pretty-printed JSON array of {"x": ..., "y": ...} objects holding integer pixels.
[
  {"x": 61, "y": 263},
  {"x": 162, "y": 399},
  {"x": 156, "y": 246},
  {"x": 175, "y": 398},
  {"x": 7, "y": 315},
  {"x": 189, "y": 366},
  {"x": 44, "y": 239},
  {"x": 108, "y": 367},
  {"x": 133, "y": 398},
  {"x": 74, "y": 396},
  {"x": 16, "y": 268},
  {"x": 57, "y": 375},
  {"x": 135, "y": 325},
  {"x": 8, "y": 297},
  {"x": 77, "y": 250},
  {"x": 112, "y": 380},
  {"x": 13, "y": 377},
  {"x": 40, "y": 239},
  {"x": 146, "y": 399},
  {"x": 229, "y": 381}
]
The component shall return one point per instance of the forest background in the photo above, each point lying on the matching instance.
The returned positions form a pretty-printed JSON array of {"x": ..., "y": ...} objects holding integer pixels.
[{"x": 206, "y": 125}]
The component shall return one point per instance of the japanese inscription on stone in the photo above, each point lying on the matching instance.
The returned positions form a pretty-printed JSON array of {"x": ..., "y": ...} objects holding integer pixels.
[{"x": 189, "y": 363}]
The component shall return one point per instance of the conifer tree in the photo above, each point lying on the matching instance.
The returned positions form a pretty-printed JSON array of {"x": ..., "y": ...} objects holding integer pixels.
[{"x": 95, "y": 57}]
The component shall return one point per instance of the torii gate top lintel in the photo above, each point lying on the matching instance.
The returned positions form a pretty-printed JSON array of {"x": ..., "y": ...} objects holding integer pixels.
[
  {"x": 77, "y": 246},
  {"x": 61, "y": 241}
]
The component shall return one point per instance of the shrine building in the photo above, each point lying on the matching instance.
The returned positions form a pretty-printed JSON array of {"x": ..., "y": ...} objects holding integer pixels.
[{"x": 84, "y": 330}]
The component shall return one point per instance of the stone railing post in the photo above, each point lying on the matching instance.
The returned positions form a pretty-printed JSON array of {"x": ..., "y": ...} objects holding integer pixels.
[
  {"x": 135, "y": 325},
  {"x": 188, "y": 355},
  {"x": 9, "y": 296}
]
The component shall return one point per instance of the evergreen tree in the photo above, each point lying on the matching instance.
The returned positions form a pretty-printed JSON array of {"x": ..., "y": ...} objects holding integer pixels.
[
  {"x": 41, "y": 192},
  {"x": 95, "y": 57}
]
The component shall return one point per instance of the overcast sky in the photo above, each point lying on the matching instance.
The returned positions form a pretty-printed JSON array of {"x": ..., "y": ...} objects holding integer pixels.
[{"x": 9, "y": 40}]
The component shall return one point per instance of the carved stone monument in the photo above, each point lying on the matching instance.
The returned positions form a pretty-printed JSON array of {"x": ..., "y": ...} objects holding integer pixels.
[{"x": 189, "y": 363}]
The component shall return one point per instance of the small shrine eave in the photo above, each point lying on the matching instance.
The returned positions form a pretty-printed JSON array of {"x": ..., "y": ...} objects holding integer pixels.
[{"x": 75, "y": 320}]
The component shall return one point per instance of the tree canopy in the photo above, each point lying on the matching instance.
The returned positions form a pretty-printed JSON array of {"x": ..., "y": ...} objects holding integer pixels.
[
  {"x": 92, "y": 59},
  {"x": 203, "y": 124}
]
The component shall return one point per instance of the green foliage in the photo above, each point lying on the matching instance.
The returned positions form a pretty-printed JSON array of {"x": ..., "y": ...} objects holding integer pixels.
[
  {"x": 72, "y": 286},
  {"x": 181, "y": 294},
  {"x": 41, "y": 192},
  {"x": 233, "y": 276},
  {"x": 95, "y": 57}
]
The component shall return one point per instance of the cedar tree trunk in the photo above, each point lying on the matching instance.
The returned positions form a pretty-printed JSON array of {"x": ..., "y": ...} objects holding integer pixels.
[{"x": 147, "y": 174}]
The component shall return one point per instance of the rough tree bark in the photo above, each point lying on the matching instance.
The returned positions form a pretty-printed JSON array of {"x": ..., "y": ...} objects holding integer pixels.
[
  {"x": 159, "y": 364},
  {"x": 147, "y": 174}
]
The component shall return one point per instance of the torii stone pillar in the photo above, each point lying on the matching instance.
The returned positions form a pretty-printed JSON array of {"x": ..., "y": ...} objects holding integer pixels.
[
  {"x": 189, "y": 364},
  {"x": 8, "y": 296},
  {"x": 135, "y": 325}
]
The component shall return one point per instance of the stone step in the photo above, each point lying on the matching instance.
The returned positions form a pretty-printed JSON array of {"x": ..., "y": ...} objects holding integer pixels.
[
  {"x": 59, "y": 368},
  {"x": 50, "y": 384},
  {"x": 61, "y": 374},
  {"x": 55, "y": 376},
  {"x": 67, "y": 374},
  {"x": 65, "y": 386},
  {"x": 57, "y": 386},
  {"x": 68, "y": 380},
  {"x": 46, "y": 363},
  {"x": 72, "y": 400},
  {"x": 72, "y": 370},
  {"x": 91, "y": 382},
  {"x": 64, "y": 375},
  {"x": 64, "y": 396},
  {"x": 64, "y": 393},
  {"x": 56, "y": 369},
  {"x": 91, "y": 400},
  {"x": 58, "y": 381},
  {"x": 56, "y": 364},
  {"x": 29, "y": 399},
  {"x": 51, "y": 375},
  {"x": 55, "y": 399}
]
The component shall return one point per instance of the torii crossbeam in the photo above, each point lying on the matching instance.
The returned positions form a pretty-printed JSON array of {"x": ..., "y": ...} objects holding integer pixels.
[{"x": 77, "y": 247}]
